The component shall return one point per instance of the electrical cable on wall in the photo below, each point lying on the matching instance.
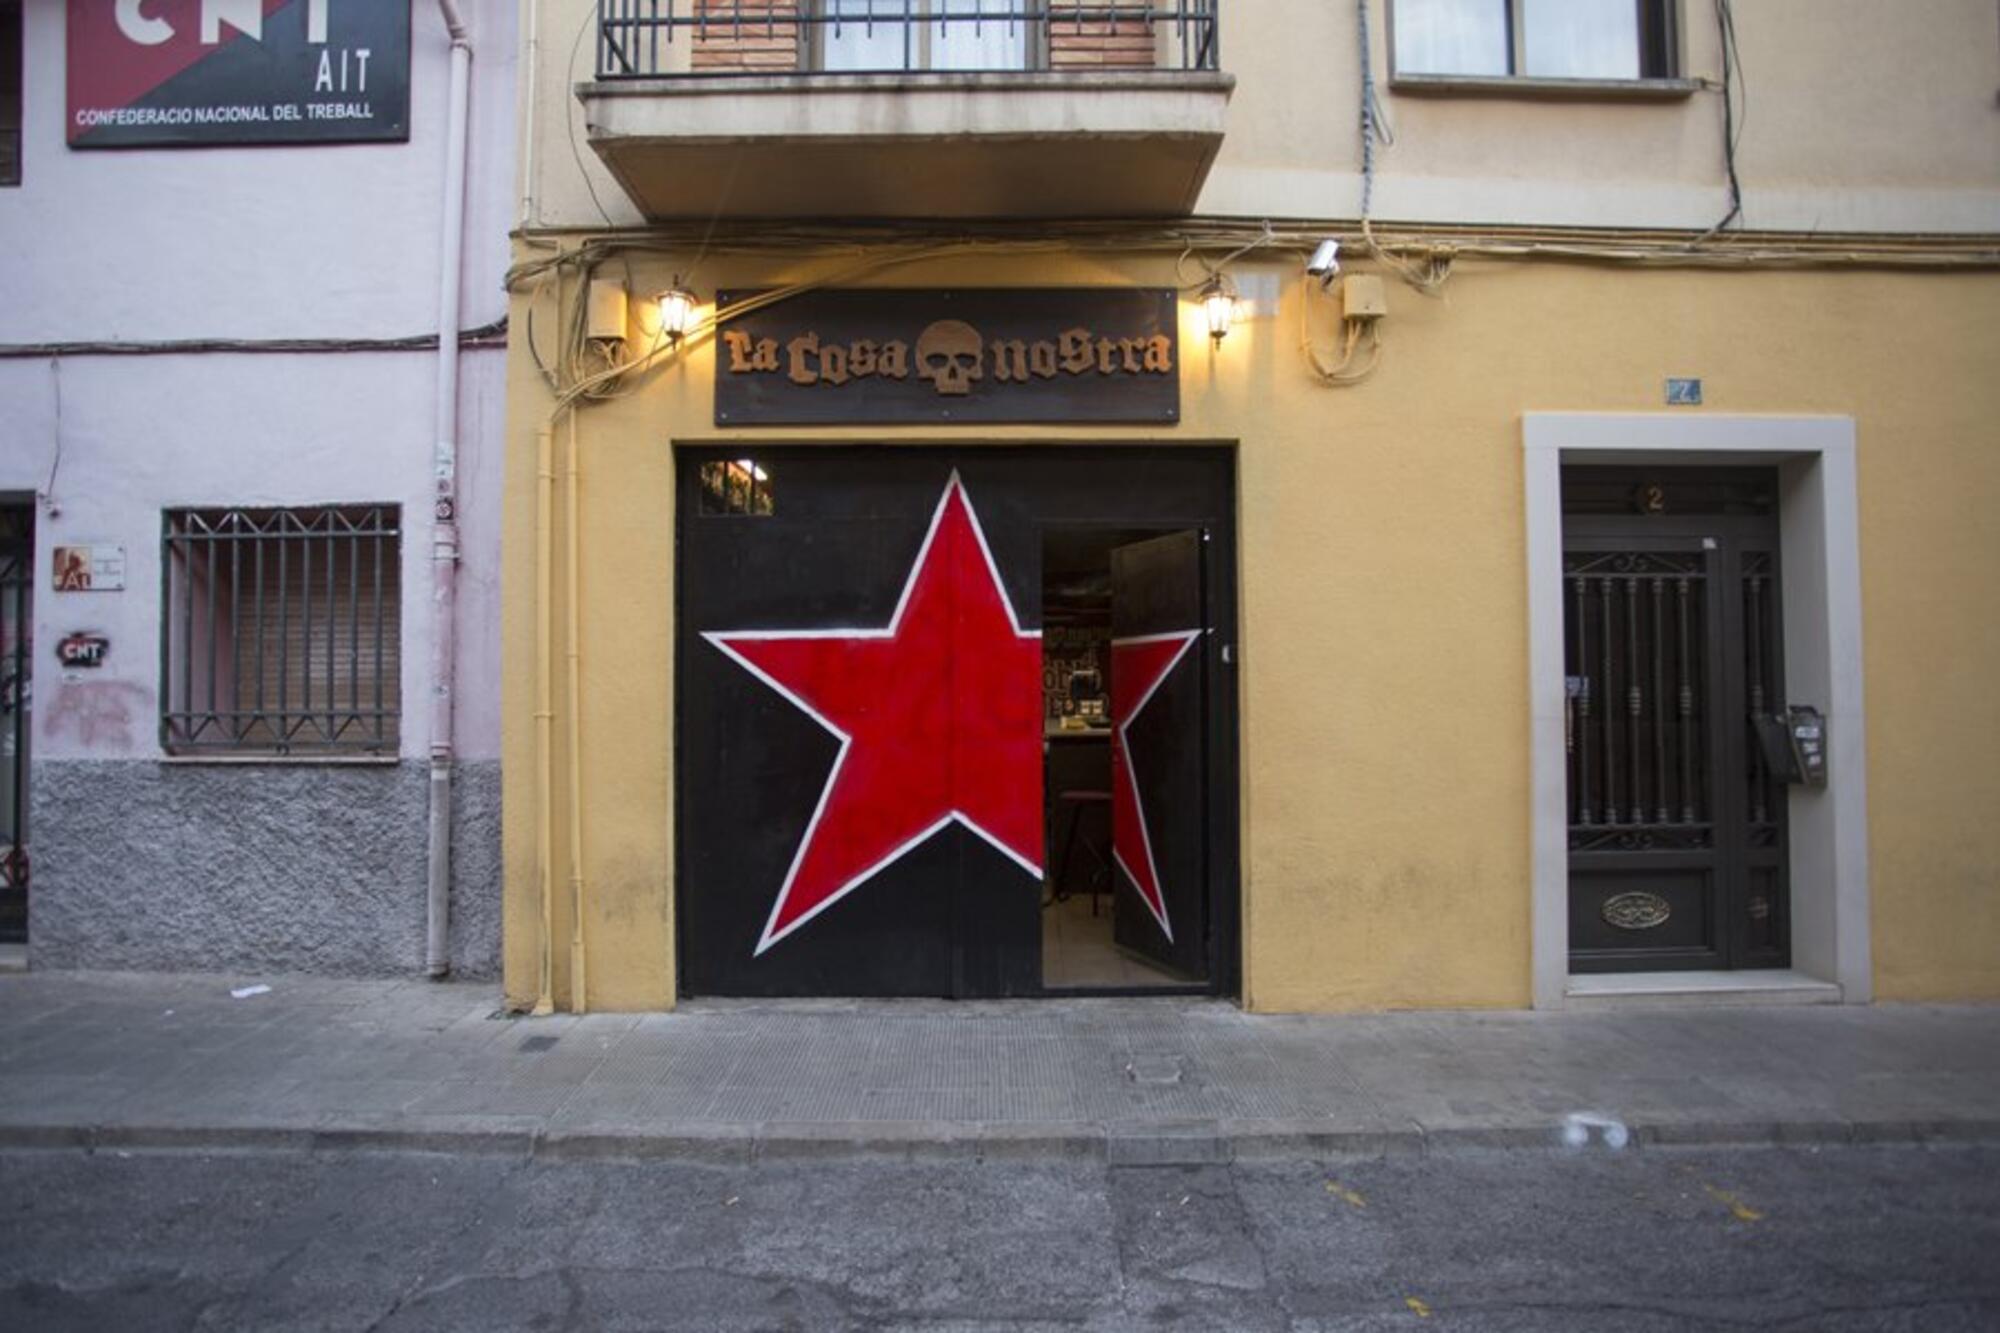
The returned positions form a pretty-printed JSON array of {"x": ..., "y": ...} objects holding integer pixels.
[
  {"x": 569, "y": 377},
  {"x": 493, "y": 334},
  {"x": 1374, "y": 124},
  {"x": 576, "y": 371},
  {"x": 1602, "y": 245},
  {"x": 1733, "y": 115},
  {"x": 1342, "y": 372},
  {"x": 1212, "y": 269},
  {"x": 590, "y": 18},
  {"x": 55, "y": 462},
  {"x": 1430, "y": 275}
]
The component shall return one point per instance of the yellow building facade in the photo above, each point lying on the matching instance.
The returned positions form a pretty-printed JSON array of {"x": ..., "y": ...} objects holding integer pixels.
[{"x": 1568, "y": 349}]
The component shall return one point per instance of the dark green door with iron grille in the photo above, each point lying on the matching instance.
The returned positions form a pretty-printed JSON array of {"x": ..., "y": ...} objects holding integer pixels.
[
  {"x": 1677, "y": 837},
  {"x": 17, "y": 563}
]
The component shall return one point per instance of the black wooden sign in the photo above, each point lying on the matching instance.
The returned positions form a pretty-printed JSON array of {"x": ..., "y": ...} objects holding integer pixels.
[{"x": 965, "y": 355}]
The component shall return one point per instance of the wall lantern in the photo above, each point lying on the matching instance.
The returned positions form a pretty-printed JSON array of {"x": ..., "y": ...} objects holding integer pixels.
[
  {"x": 677, "y": 305},
  {"x": 1218, "y": 301}
]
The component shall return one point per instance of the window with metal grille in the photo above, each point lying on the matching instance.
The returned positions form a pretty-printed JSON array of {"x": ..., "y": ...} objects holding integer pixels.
[
  {"x": 10, "y": 92},
  {"x": 281, "y": 631}
]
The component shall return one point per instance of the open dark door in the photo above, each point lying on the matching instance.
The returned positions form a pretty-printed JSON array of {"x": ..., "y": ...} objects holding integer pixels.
[{"x": 1158, "y": 760}]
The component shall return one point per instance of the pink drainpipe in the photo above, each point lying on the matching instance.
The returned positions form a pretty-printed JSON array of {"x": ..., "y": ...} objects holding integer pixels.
[{"x": 444, "y": 532}]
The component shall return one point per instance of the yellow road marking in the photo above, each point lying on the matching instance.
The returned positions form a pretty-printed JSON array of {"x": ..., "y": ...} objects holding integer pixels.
[
  {"x": 1738, "y": 1209},
  {"x": 1422, "y": 1311},
  {"x": 1345, "y": 1195}
]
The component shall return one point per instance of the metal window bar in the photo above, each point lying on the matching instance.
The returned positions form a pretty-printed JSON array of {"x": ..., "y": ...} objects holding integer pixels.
[
  {"x": 1763, "y": 691},
  {"x": 272, "y": 590},
  {"x": 636, "y": 38},
  {"x": 1634, "y": 648}
]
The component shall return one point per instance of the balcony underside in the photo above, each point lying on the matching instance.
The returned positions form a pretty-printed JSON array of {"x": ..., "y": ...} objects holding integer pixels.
[{"x": 903, "y": 146}]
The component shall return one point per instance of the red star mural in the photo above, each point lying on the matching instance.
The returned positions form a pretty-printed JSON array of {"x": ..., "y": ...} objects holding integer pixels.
[
  {"x": 1138, "y": 666},
  {"x": 939, "y": 718}
]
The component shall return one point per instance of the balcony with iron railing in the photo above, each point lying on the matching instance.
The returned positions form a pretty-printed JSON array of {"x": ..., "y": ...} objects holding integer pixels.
[{"x": 908, "y": 108}]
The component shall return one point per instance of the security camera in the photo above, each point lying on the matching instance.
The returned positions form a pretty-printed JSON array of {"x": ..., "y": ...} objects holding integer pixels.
[{"x": 1325, "y": 261}]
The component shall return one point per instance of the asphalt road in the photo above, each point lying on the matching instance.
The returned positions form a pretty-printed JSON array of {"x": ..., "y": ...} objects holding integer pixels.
[{"x": 1827, "y": 1239}]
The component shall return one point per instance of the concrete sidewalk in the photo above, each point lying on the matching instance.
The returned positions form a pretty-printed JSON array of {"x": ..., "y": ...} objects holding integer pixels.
[{"x": 103, "y": 1060}]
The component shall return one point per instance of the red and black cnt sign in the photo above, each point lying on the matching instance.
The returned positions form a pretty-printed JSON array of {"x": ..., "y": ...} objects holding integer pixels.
[{"x": 190, "y": 73}]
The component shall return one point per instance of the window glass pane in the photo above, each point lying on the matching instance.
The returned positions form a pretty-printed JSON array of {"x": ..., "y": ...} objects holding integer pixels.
[
  {"x": 1581, "y": 39},
  {"x": 1451, "y": 36},
  {"x": 856, "y": 43},
  {"x": 736, "y": 486},
  {"x": 962, "y": 39}
]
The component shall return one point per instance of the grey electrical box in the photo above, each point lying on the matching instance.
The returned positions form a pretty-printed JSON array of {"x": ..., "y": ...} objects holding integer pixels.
[{"x": 1794, "y": 745}]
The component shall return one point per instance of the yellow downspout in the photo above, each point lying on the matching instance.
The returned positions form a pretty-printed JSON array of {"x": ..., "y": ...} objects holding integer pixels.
[
  {"x": 579, "y": 995},
  {"x": 545, "y": 477}
]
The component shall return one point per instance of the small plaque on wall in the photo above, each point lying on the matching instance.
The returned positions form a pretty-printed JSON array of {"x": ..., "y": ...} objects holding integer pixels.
[
  {"x": 958, "y": 356},
  {"x": 88, "y": 568}
]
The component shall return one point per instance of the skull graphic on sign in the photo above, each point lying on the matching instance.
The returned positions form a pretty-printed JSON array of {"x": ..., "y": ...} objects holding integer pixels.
[{"x": 949, "y": 355}]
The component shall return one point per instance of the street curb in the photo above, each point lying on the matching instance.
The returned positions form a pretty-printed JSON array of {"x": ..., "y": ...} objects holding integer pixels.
[{"x": 1164, "y": 1143}]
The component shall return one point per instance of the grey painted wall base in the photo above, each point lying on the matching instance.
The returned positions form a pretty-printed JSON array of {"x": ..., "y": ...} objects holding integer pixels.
[
  {"x": 255, "y": 867},
  {"x": 475, "y": 870}
]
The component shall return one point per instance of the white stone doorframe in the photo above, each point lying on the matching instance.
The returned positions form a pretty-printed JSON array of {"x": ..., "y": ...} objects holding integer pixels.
[{"x": 1819, "y": 536}]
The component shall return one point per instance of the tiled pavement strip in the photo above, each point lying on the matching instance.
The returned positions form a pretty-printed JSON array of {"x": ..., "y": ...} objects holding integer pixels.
[{"x": 112, "y": 1060}]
